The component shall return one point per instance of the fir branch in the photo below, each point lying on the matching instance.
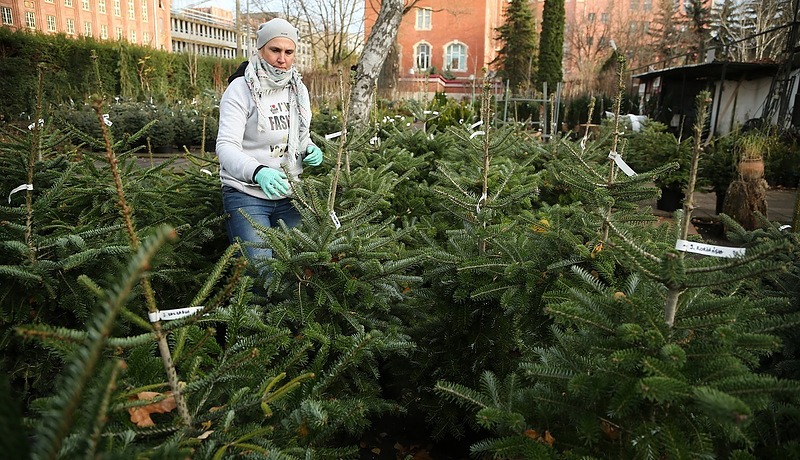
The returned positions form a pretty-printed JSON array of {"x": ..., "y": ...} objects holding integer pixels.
[{"x": 56, "y": 424}]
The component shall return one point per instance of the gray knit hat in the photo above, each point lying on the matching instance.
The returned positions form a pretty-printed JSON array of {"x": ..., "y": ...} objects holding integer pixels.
[{"x": 276, "y": 28}]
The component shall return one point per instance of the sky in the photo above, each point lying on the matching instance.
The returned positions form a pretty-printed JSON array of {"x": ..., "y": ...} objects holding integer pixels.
[{"x": 229, "y": 5}]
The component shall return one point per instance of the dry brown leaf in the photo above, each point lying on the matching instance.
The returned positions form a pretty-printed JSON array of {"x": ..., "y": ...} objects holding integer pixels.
[
  {"x": 205, "y": 434},
  {"x": 548, "y": 439},
  {"x": 533, "y": 434},
  {"x": 140, "y": 415}
]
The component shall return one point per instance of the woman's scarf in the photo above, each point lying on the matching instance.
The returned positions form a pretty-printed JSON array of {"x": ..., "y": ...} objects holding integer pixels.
[{"x": 263, "y": 78}]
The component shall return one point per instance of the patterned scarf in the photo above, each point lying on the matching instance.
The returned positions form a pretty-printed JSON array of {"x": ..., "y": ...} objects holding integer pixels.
[{"x": 263, "y": 78}]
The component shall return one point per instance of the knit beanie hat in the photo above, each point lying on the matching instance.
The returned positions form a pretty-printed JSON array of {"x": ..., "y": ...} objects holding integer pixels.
[{"x": 276, "y": 28}]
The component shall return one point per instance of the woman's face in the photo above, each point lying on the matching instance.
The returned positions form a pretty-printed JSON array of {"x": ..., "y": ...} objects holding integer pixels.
[{"x": 279, "y": 53}]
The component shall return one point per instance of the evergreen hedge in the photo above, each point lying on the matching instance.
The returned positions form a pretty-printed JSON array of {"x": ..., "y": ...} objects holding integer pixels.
[{"x": 76, "y": 67}]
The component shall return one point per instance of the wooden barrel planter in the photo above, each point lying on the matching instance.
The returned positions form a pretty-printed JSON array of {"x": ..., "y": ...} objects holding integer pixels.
[{"x": 751, "y": 169}]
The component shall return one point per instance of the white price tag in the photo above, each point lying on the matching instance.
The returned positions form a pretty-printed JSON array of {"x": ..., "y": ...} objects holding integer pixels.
[
  {"x": 333, "y": 135},
  {"x": 19, "y": 189},
  {"x": 708, "y": 249},
  {"x": 335, "y": 219},
  {"x": 204, "y": 170},
  {"x": 621, "y": 163},
  {"x": 168, "y": 315},
  {"x": 476, "y": 124},
  {"x": 477, "y": 133},
  {"x": 480, "y": 200},
  {"x": 107, "y": 120}
]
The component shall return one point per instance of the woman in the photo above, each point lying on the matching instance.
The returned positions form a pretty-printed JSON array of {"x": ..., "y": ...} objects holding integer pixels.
[{"x": 264, "y": 119}]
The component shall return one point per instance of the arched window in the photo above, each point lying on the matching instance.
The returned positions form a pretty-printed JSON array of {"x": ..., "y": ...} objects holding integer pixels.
[
  {"x": 455, "y": 57},
  {"x": 422, "y": 56}
]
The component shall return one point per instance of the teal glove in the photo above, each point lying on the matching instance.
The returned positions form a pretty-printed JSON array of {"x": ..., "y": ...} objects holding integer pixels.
[
  {"x": 272, "y": 182},
  {"x": 313, "y": 156}
]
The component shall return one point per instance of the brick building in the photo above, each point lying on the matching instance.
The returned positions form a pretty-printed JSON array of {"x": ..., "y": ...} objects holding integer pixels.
[
  {"x": 144, "y": 22},
  {"x": 442, "y": 44}
]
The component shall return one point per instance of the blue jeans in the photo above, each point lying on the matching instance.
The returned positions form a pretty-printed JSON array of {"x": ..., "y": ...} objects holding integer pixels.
[{"x": 264, "y": 212}]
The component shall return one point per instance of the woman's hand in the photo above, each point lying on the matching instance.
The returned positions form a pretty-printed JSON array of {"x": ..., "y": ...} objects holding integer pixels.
[
  {"x": 272, "y": 182},
  {"x": 313, "y": 156}
]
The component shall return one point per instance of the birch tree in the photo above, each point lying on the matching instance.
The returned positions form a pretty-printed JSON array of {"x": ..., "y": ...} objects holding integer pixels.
[{"x": 376, "y": 49}]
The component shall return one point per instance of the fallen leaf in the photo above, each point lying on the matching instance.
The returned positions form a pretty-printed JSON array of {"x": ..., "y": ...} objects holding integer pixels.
[
  {"x": 140, "y": 415},
  {"x": 548, "y": 439},
  {"x": 205, "y": 434},
  {"x": 533, "y": 434}
]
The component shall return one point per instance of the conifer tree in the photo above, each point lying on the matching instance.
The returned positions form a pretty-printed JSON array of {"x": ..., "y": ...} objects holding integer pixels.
[
  {"x": 551, "y": 49},
  {"x": 654, "y": 353},
  {"x": 515, "y": 59}
]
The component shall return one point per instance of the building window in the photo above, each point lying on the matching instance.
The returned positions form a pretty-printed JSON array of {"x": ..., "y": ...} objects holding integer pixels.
[
  {"x": 633, "y": 26},
  {"x": 101, "y": 6},
  {"x": 48, "y": 1},
  {"x": 645, "y": 26},
  {"x": 146, "y": 38},
  {"x": 51, "y": 23},
  {"x": 8, "y": 18},
  {"x": 70, "y": 26},
  {"x": 119, "y": 33},
  {"x": 131, "y": 10},
  {"x": 455, "y": 57},
  {"x": 87, "y": 29},
  {"x": 30, "y": 20},
  {"x": 589, "y": 40},
  {"x": 634, "y": 5},
  {"x": 423, "y": 19},
  {"x": 590, "y": 17},
  {"x": 647, "y": 5},
  {"x": 144, "y": 11},
  {"x": 68, "y": 3},
  {"x": 133, "y": 36},
  {"x": 423, "y": 56},
  {"x": 604, "y": 17},
  {"x": 117, "y": 8},
  {"x": 86, "y": 5},
  {"x": 104, "y": 32}
]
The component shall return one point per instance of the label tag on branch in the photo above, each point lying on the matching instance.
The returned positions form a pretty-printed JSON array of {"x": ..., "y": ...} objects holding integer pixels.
[
  {"x": 476, "y": 124},
  {"x": 19, "y": 189},
  {"x": 480, "y": 200},
  {"x": 335, "y": 219},
  {"x": 204, "y": 170},
  {"x": 477, "y": 133},
  {"x": 33, "y": 125},
  {"x": 333, "y": 135},
  {"x": 708, "y": 249},
  {"x": 621, "y": 163},
  {"x": 169, "y": 315},
  {"x": 107, "y": 120}
]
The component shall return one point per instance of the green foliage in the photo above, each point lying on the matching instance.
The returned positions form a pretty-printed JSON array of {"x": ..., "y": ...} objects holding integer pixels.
[
  {"x": 75, "y": 68},
  {"x": 518, "y": 34},
  {"x": 551, "y": 49},
  {"x": 447, "y": 287},
  {"x": 168, "y": 126},
  {"x": 652, "y": 147}
]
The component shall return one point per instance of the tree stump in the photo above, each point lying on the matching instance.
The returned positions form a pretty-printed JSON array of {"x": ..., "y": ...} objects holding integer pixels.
[{"x": 743, "y": 199}]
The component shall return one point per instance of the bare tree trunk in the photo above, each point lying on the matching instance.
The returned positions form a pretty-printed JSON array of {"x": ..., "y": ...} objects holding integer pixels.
[{"x": 380, "y": 41}]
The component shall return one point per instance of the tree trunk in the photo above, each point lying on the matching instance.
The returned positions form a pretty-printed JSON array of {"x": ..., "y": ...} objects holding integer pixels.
[{"x": 380, "y": 41}]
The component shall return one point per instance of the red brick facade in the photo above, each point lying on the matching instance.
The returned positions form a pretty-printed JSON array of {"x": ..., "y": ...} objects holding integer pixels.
[
  {"x": 444, "y": 45},
  {"x": 144, "y": 22}
]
